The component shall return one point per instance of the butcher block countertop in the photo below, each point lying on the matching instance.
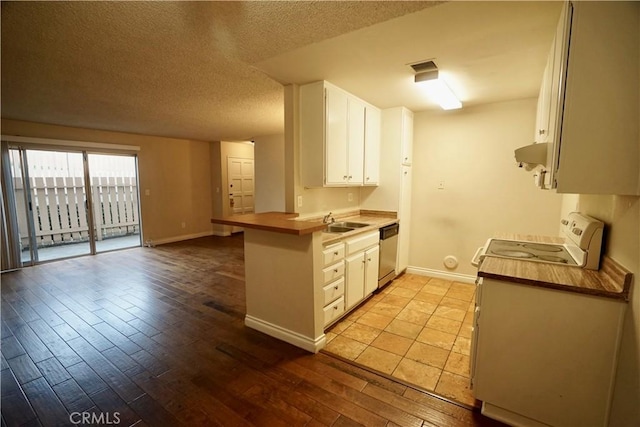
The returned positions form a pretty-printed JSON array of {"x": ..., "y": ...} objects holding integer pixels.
[
  {"x": 289, "y": 223},
  {"x": 611, "y": 281}
]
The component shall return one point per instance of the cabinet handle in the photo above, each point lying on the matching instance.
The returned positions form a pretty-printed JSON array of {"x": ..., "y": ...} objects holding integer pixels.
[
  {"x": 364, "y": 261},
  {"x": 541, "y": 131},
  {"x": 350, "y": 176},
  {"x": 335, "y": 307},
  {"x": 344, "y": 177},
  {"x": 336, "y": 287},
  {"x": 369, "y": 259},
  {"x": 335, "y": 253},
  {"x": 335, "y": 270},
  {"x": 367, "y": 178}
]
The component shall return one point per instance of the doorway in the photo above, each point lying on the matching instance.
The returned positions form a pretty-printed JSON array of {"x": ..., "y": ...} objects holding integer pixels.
[
  {"x": 240, "y": 179},
  {"x": 59, "y": 204}
]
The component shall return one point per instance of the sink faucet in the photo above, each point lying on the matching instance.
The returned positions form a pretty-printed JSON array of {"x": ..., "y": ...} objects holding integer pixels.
[{"x": 328, "y": 219}]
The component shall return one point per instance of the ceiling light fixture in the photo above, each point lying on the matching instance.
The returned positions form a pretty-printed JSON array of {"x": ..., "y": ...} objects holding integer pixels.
[{"x": 427, "y": 76}]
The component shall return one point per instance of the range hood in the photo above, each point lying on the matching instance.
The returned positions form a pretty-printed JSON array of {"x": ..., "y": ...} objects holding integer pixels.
[{"x": 532, "y": 155}]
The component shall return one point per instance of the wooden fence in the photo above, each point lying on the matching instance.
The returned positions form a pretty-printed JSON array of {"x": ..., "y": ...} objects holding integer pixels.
[{"x": 60, "y": 216}]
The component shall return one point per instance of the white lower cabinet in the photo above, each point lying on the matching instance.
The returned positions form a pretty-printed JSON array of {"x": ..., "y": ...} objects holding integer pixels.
[
  {"x": 544, "y": 357},
  {"x": 361, "y": 267},
  {"x": 348, "y": 281},
  {"x": 333, "y": 291},
  {"x": 333, "y": 281},
  {"x": 333, "y": 272},
  {"x": 333, "y": 310},
  {"x": 355, "y": 279},
  {"x": 372, "y": 258},
  {"x": 361, "y": 275}
]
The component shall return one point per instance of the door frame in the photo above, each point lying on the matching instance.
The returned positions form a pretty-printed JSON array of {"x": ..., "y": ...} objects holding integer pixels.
[
  {"x": 228, "y": 195},
  {"x": 22, "y": 144}
]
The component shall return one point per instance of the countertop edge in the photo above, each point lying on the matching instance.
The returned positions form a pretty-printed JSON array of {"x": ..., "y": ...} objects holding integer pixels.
[
  {"x": 610, "y": 272},
  {"x": 271, "y": 227},
  {"x": 285, "y": 222},
  {"x": 623, "y": 296}
]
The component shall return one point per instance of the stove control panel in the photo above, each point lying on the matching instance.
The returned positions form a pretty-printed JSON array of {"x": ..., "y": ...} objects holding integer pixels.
[{"x": 586, "y": 233}]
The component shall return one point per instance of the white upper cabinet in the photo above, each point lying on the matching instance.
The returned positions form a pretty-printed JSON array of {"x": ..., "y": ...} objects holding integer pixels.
[
  {"x": 542, "y": 133},
  {"x": 337, "y": 132},
  {"x": 592, "y": 115},
  {"x": 372, "y": 146},
  {"x": 339, "y": 138},
  {"x": 355, "y": 141}
]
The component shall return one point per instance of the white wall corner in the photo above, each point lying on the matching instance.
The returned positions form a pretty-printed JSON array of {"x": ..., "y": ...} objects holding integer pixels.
[{"x": 294, "y": 338}]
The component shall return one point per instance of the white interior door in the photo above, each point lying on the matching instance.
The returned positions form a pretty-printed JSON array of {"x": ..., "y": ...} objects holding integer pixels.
[{"x": 240, "y": 178}]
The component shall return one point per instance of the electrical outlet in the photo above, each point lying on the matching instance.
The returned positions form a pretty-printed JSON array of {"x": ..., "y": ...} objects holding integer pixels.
[
  {"x": 299, "y": 201},
  {"x": 350, "y": 197},
  {"x": 441, "y": 185},
  {"x": 184, "y": 224},
  {"x": 147, "y": 192}
]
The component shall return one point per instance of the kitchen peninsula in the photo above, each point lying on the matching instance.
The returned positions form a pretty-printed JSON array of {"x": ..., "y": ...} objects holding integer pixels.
[{"x": 295, "y": 272}]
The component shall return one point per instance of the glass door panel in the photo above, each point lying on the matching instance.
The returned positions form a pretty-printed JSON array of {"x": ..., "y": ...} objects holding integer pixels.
[
  {"x": 22, "y": 202},
  {"x": 114, "y": 191},
  {"x": 58, "y": 204}
]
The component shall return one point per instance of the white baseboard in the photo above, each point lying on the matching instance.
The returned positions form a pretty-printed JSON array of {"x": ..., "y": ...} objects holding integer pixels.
[
  {"x": 286, "y": 335},
  {"x": 439, "y": 274},
  {"x": 221, "y": 233},
  {"x": 182, "y": 237}
]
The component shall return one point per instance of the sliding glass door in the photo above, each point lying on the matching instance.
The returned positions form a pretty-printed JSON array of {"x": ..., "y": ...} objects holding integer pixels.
[
  {"x": 51, "y": 213},
  {"x": 114, "y": 191},
  {"x": 56, "y": 204}
]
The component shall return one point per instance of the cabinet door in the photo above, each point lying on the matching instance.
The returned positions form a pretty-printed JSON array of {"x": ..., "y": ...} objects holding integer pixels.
[
  {"x": 550, "y": 336},
  {"x": 355, "y": 142},
  {"x": 542, "y": 133},
  {"x": 404, "y": 214},
  {"x": 598, "y": 148},
  {"x": 407, "y": 137},
  {"x": 354, "y": 280},
  {"x": 372, "y": 258},
  {"x": 372, "y": 146},
  {"x": 337, "y": 106}
]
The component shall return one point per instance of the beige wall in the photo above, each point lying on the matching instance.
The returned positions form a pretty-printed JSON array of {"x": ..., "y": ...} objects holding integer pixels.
[
  {"x": 471, "y": 151},
  {"x": 269, "y": 172},
  {"x": 177, "y": 172}
]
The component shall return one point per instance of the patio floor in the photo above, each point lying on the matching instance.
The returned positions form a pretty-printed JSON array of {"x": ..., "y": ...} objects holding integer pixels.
[{"x": 82, "y": 248}]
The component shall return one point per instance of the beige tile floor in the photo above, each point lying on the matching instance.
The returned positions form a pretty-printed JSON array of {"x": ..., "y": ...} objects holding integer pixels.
[{"x": 417, "y": 329}]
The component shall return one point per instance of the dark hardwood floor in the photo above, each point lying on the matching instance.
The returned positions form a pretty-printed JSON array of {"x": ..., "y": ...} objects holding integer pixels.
[{"x": 155, "y": 337}]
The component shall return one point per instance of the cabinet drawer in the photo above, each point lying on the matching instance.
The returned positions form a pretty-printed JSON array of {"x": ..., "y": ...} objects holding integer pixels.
[
  {"x": 362, "y": 242},
  {"x": 333, "y": 290},
  {"x": 333, "y": 272},
  {"x": 333, "y": 253},
  {"x": 333, "y": 310}
]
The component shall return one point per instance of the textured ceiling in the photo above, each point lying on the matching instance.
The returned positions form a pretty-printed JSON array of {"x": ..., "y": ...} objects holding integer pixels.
[{"x": 201, "y": 70}]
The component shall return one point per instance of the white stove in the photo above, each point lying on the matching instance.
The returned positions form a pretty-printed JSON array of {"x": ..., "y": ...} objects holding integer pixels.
[{"x": 581, "y": 248}]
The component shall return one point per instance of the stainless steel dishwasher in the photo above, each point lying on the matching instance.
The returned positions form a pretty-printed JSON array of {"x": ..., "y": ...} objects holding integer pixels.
[{"x": 388, "y": 253}]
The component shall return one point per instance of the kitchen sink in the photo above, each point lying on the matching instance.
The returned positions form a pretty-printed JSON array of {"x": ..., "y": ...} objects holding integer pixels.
[
  {"x": 350, "y": 224},
  {"x": 343, "y": 227},
  {"x": 333, "y": 228}
]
